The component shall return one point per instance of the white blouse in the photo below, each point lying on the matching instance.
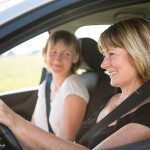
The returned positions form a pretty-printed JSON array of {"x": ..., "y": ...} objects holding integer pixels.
[{"x": 71, "y": 85}]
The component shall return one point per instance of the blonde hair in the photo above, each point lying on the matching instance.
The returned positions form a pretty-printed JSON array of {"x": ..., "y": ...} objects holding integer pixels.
[
  {"x": 134, "y": 36},
  {"x": 69, "y": 40}
]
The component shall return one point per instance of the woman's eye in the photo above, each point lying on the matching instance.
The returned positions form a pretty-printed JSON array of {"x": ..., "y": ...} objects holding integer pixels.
[
  {"x": 111, "y": 54},
  {"x": 53, "y": 52},
  {"x": 67, "y": 54}
]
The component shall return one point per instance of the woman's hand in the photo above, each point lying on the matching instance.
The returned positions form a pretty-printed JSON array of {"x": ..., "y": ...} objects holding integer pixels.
[{"x": 7, "y": 116}]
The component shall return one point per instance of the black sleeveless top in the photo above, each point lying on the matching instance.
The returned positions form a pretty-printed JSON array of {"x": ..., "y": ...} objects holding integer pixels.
[{"x": 140, "y": 116}]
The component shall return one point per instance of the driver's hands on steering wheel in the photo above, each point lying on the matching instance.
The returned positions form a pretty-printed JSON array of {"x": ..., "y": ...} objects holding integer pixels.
[{"x": 7, "y": 120}]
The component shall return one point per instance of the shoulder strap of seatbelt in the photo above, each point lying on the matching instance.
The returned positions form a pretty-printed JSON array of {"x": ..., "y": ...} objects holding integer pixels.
[
  {"x": 47, "y": 98},
  {"x": 131, "y": 102}
]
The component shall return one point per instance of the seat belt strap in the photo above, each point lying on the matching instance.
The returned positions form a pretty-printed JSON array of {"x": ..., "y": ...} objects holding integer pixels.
[
  {"x": 47, "y": 98},
  {"x": 131, "y": 102}
]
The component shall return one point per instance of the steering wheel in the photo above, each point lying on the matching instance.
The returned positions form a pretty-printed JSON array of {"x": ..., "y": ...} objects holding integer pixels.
[{"x": 8, "y": 140}]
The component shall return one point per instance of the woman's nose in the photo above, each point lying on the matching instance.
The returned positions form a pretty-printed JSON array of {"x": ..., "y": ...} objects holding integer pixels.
[
  {"x": 59, "y": 56},
  {"x": 105, "y": 63}
]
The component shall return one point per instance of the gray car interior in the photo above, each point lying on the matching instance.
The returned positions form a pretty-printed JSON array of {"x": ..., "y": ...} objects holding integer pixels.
[{"x": 95, "y": 79}]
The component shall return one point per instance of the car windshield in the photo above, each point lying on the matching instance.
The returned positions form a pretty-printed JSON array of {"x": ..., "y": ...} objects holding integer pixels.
[{"x": 10, "y": 9}]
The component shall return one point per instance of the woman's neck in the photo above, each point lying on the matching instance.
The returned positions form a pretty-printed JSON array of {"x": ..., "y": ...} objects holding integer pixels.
[
  {"x": 128, "y": 90},
  {"x": 59, "y": 80}
]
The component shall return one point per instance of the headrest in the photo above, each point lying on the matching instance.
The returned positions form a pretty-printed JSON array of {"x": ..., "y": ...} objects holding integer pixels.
[{"x": 91, "y": 56}]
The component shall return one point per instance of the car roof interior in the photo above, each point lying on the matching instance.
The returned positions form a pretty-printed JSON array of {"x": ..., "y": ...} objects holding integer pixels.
[{"x": 108, "y": 17}]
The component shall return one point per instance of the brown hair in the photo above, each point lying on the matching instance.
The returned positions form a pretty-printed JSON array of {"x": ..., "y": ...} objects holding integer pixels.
[
  {"x": 68, "y": 39},
  {"x": 133, "y": 35}
]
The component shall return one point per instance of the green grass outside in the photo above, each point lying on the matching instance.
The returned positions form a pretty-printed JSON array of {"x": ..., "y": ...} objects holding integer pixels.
[{"x": 20, "y": 71}]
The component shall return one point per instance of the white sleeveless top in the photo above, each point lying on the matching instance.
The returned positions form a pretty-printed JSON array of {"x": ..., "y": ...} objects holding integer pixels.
[{"x": 71, "y": 85}]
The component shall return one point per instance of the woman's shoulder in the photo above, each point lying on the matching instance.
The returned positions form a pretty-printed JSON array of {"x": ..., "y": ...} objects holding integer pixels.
[
  {"x": 145, "y": 107},
  {"x": 141, "y": 115},
  {"x": 73, "y": 85},
  {"x": 74, "y": 80}
]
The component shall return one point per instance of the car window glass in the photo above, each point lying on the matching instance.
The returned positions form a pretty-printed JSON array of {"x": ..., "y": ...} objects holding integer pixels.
[
  {"x": 93, "y": 32},
  {"x": 21, "y": 66}
]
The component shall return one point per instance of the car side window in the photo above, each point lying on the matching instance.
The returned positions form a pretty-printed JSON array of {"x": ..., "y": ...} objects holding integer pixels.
[
  {"x": 92, "y": 31},
  {"x": 21, "y": 66}
]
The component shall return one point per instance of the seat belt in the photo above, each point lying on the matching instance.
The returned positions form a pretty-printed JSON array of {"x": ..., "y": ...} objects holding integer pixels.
[
  {"x": 47, "y": 99},
  {"x": 128, "y": 104}
]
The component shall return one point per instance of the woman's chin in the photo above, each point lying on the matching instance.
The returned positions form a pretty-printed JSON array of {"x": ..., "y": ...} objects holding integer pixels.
[{"x": 114, "y": 83}]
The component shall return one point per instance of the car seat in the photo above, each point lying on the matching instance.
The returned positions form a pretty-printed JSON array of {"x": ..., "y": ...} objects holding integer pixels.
[{"x": 94, "y": 78}]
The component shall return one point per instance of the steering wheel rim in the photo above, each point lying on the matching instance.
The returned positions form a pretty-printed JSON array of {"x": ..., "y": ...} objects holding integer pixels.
[{"x": 9, "y": 138}]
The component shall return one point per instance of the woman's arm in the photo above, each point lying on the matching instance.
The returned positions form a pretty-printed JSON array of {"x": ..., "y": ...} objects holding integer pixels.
[
  {"x": 130, "y": 133},
  {"x": 74, "y": 112},
  {"x": 30, "y": 136}
]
